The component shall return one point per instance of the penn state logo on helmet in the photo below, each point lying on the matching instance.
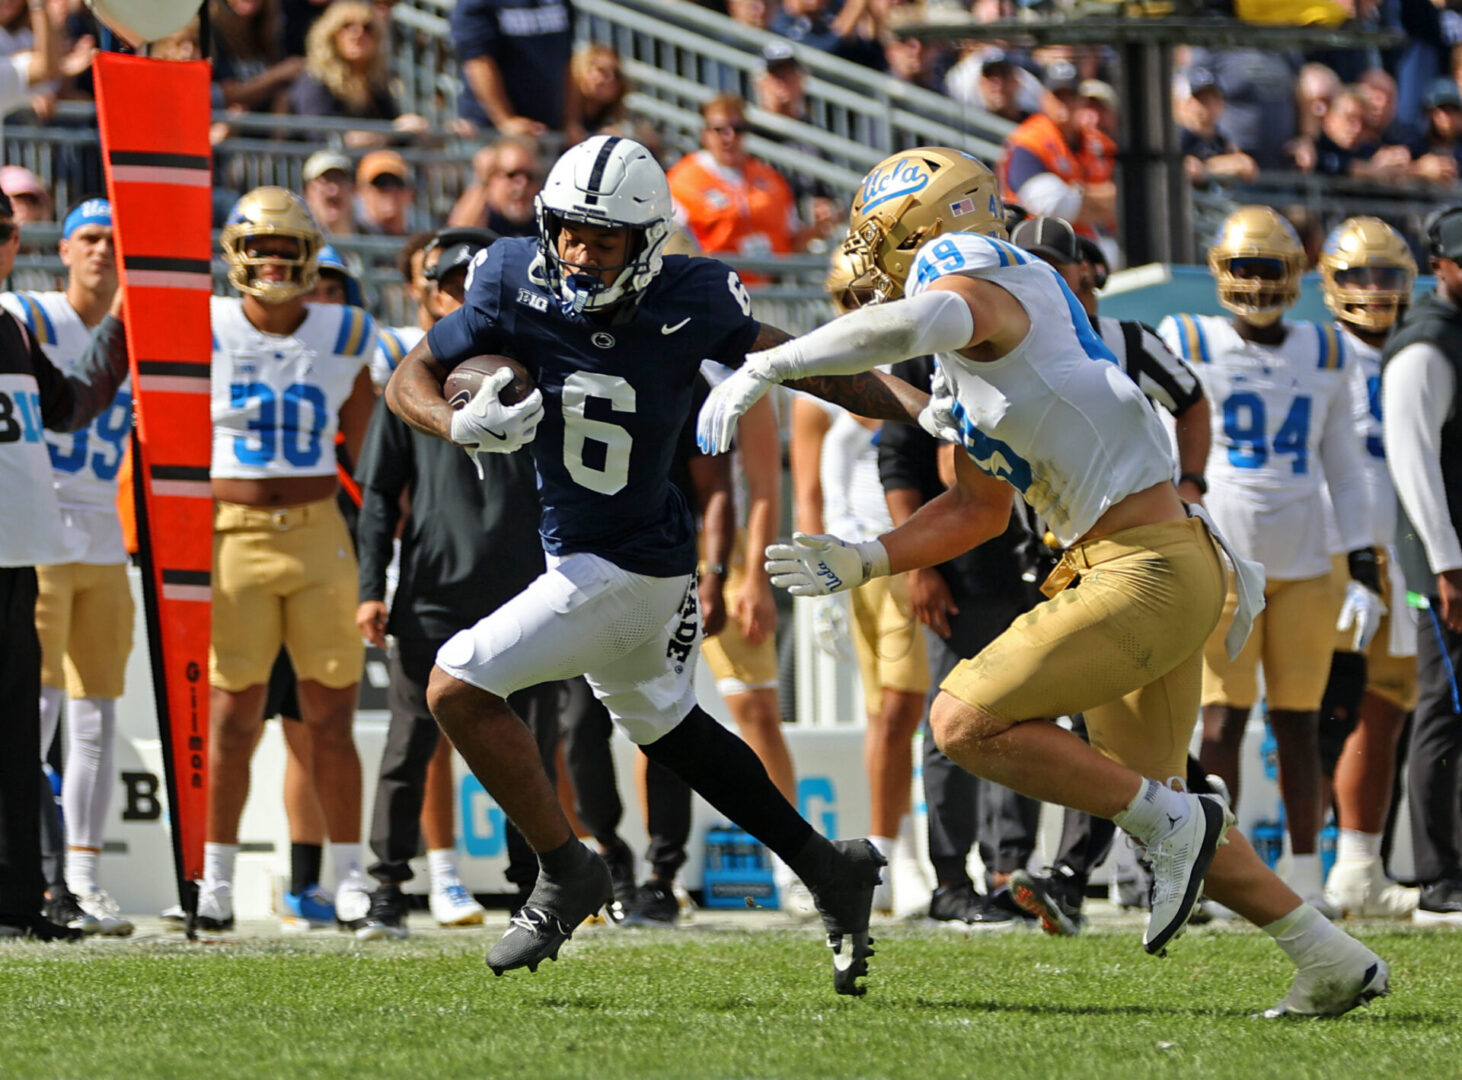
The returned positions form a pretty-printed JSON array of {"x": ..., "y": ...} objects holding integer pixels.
[
  {"x": 271, "y": 212},
  {"x": 1257, "y": 259},
  {"x": 1366, "y": 273},
  {"x": 910, "y": 197},
  {"x": 612, "y": 183}
]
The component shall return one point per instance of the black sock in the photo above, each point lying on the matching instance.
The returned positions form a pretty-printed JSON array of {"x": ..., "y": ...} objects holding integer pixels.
[
  {"x": 560, "y": 862},
  {"x": 304, "y": 866},
  {"x": 729, "y": 776}
]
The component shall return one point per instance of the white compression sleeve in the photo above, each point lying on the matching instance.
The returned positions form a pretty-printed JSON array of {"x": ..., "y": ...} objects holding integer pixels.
[
  {"x": 86, "y": 788},
  {"x": 932, "y": 322}
]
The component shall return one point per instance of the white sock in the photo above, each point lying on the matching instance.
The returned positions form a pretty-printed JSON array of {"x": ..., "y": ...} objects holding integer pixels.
[
  {"x": 1304, "y": 875},
  {"x": 345, "y": 858},
  {"x": 1301, "y": 930},
  {"x": 86, "y": 789},
  {"x": 218, "y": 864},
  {"x": 443, "y": 864},
  {"x": 81, "y": 871},
  {"x": 1357, "y": 845},
  {"x": 51, "y": 698},
  {"x": 1147, "y": 815},
  {"x": 884, "y": 844}
]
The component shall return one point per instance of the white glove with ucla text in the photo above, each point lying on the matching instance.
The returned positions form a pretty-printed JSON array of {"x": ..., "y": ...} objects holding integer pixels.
[
  {"x": 1362, "y": 610},
  {"x": 486, "y": 425},
  {"x": 817, "y": 565}
]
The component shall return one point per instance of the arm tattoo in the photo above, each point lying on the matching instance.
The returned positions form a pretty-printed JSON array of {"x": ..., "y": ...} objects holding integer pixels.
[
  {"x": 872, "y": 393},
  {"x": 415, "y": 393}
]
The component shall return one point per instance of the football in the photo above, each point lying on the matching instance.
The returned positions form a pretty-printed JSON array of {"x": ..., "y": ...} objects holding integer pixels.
[{"x": 464, "y": 380}]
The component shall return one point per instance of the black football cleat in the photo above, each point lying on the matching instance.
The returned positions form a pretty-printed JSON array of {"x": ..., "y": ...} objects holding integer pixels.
[
  {"x": 548, "y": 918},
  {"x": 845, "y": 902}
]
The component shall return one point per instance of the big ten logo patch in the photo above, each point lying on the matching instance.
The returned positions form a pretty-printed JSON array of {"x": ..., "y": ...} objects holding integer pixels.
[
  {"x": 484, "y": 824},
  {"x": 817, "y": 801}
]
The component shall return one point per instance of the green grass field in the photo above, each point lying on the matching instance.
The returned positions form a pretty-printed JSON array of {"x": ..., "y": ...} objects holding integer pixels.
[{"x": 703, "y": 1001}]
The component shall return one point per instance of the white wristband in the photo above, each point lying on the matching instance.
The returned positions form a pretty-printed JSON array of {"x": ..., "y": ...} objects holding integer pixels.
[{"x": 875, "y": 559}]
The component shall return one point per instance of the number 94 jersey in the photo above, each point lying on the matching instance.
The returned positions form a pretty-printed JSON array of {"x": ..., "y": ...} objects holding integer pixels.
[
  {"x": 277, "y": 398},
  {"x": 1282, "y": 430},
  {"x": 84, "y": 463},
  {"x": 616, "y": 392}
]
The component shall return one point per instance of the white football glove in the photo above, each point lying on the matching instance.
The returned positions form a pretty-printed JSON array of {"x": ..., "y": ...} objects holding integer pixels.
[
  {"x": 1362, "y": 609},
  {"x": 831, "y": 626},
  {"x": 937, "y": 418},
  {"x": 728, "y": 402},
  {"x": 817, "y": 565},
  {"x": 486, "y": 425}
]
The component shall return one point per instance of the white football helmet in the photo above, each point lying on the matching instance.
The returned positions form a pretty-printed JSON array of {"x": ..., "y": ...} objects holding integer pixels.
[{"x": 612, "y": 182}]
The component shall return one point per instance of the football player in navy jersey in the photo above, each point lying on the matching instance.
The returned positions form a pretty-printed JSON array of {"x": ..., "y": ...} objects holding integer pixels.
[{"x": 613, "y": 332}]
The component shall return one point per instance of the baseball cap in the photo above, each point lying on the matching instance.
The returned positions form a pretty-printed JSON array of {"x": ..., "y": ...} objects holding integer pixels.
[
  {"x": 18, "y": 180},
  {"x": 1061, "y": 75},
  {"x": 1444, "y": 233},
  {"x": 1101, "y": 91},
  {"x": 380, "y": 163},
  {"x": 995, "y": 58},
  {"x": 779, "y": 54},
  {"x": 1441, "y": 92},
  {"x": 458, "y": 247},
  {"x": 323, "y": 161},
  {"x": 1200, "y": 78},
  {"x": 1052, "y": 238}
]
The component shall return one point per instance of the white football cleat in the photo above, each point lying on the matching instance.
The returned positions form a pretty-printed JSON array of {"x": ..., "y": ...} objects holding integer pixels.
[
  {"x": 1333, "y": 978},
  {"x": 1360, "y": 887},
  {"x": 452, "y": 905},
  {"x": 1180, "y": 859},
  {"x": 352, "y": 901},
  {"x": 100, "y": 906},
  {"x": 216, "y": 907}
]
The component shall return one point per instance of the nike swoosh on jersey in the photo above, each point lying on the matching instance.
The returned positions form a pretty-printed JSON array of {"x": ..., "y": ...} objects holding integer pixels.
[{"x": 668, "y": 329}]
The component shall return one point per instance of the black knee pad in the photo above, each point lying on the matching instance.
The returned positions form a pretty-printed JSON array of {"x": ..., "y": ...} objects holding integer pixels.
[{"x": 1340, "y": 707}]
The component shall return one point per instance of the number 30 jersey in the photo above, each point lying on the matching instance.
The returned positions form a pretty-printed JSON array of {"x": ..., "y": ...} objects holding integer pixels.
[
  {"x": 84, "y": 463},
  {"x": 1056, "y": 417},
  {"x": 1282, "y": 430},
  {"x": 277, "y": 398},
  {"x": 617, "y": 390}
]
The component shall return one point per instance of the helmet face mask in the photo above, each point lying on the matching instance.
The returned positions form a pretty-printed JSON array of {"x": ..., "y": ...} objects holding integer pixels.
[
  {"x": 606, "y": 182},
  {"x": 271, "y": 212},
  {"x": 1367, "y": 272},
  {"x": 1257, "y": 260},
  {"x": 845, "y": 288},
  {"x": 909, "y": 198}
]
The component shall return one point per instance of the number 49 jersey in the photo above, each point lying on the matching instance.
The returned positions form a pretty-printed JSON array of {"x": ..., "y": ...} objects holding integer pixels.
[
  {"x": 1282, "y": 430},
  {"x": 277, "y": 398},
  {"x": 84, "y": 463},
  {"x": 617, "y": 390}
]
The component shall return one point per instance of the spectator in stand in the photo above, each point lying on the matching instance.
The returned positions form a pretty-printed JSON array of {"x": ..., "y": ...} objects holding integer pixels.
[
  {"x": 781, "y": 90},
  {"x": 516, "y": 77},
  {"x": 1207, "y": 153},
  {"x": 914, "y": 61},
  {"x": 384, "y": 193},
  {"x": 1259, "y": 88},
  {"x": 346, "y": 75},
  {"x": 1345, "y": 147},
  {"x": 1442, "y": 137},
  {"x": 754, "y": 13},
  {"x": 1050, "y": 166},
  {"x": 329, "y": 178},
  {"x": 298, "y": 17},
  {"x": 1382, "y": 125},
  {"x": 601, "y": 84},
  {"x": 1100, "y": 110},
  {"x": 28, "y": 194},
  {"x": 991, "y": 79},
  {"x": 731, "y": 202},
  {"x": 853, "y": 34},
  {"x": 30, "y": 53},
  {"x": 509, "y": 177},
  {"x": 1315, "y": 88},
  {"x": 249, "y": 65}
]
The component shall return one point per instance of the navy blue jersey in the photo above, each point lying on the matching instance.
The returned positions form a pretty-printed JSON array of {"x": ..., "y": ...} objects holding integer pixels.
[{"x": 617, "y": 390}]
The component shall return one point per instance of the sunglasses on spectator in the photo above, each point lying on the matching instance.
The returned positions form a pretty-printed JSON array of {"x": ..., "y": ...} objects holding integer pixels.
[
  {"x": 365, "y": 28},
  {"x": 388, "y": 182},
  {"x": 729, "y": 129},
  {"x": 517, "y": 174},
  {"x": 7, "y": 231}
]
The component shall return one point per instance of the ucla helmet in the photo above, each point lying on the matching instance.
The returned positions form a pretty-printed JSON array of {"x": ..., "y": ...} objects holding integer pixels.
[
  {"x": 1255, "y": 241},
  {"x": 1367, "y": 272},
  {"x": 910, "y": 197},
  {"x": 845, "y": 288},
  {"x": 271, "y": 211},
  {"x": 614, "y": 183}
]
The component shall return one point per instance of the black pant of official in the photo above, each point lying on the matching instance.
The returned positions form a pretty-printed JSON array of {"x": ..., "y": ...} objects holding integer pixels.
[
  {"x": 963, "y": 808},
  {"x": 21, "y": 882},
  {"x": 1434, "y": 773},
  {"x": 411, "y": 740},
  {"x": 587, "y": 729}
]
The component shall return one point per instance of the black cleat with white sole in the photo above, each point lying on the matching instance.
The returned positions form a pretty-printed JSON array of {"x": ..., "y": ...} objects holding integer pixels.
[
  {"x": 845, "y": 901},
  {"x": 551, "y": 914}
]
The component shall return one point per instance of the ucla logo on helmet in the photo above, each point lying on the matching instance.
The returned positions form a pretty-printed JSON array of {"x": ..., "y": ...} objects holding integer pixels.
[{"x": 902, "y": 177}]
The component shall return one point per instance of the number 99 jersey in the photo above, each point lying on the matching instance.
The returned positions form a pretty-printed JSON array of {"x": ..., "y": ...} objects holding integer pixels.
[
  {"x": 84, "y": 464},
  {"x": 1282, "y": 429},
  {"x": 277, "y": 398}
]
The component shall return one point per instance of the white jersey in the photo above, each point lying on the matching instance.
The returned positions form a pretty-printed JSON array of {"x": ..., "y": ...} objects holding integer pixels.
[
  {"x": 1056, "y": 418},
  {"x": 853, "y": 504},
  {"x": 1282, "y": 431},
  {"x": 392, "y": 345},
  {"x": 277, "y": 398},
  {"x": 85, "y": 463}
]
